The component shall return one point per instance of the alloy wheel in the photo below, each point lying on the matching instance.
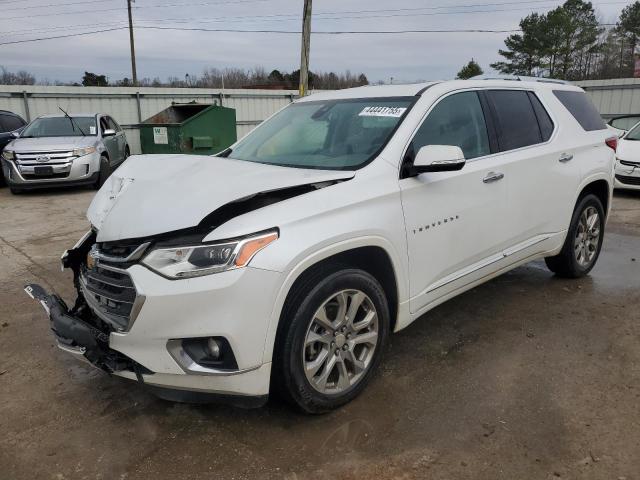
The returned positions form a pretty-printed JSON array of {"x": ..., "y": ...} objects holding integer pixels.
[
  {"x": 340, "y": 342},
  {"x": 587, "y": 239}
]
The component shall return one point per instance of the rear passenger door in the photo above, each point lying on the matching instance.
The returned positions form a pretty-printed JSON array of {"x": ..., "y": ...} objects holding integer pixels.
[{"x": 541, "y": 178}]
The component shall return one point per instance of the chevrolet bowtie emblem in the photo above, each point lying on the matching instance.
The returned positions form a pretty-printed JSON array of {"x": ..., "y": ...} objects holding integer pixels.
[{"x": 91, "y": 261}]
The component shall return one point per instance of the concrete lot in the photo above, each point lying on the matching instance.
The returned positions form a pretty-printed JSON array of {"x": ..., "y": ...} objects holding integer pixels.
[{"x": 528, "y": 376}]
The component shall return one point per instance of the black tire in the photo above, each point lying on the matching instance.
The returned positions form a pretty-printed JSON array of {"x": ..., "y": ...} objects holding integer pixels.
[
  {"x": 15, "y": 191},
  {"x": 105, "y": 171},
  {"x": 565, "y": 264},
  {"x": 127, "y": 152},
  {"x": 290, "y": 380}
]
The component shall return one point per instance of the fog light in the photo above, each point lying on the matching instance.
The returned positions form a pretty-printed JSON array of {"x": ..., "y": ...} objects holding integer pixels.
[
  {"x": 213, "y": 348},
  {"x": 208, "y": 352}
]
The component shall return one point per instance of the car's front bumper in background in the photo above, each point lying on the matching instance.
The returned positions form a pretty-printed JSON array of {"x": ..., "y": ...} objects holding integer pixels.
[
  {"x": 627, "y": 175},
  {"x": 75, "y": 171},
  {"x": 234, "y": 305}
]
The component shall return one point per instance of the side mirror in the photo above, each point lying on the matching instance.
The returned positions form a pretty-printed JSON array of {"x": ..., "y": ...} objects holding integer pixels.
[
  {"x": 108, "y": 133},
  {"x": 438, "y": 158},
  {"x": 15, "y": 133}
]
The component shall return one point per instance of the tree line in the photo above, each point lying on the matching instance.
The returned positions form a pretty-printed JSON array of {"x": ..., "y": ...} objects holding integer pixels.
[
  {"x": 257, "y": 77},
  {"x": 570, "y": 43}
]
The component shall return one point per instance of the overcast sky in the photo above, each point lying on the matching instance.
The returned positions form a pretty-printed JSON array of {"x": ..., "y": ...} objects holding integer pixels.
[{"x": 163, "y": 53}]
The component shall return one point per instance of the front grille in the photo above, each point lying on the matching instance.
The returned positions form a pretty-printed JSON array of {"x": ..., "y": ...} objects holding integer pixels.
[
  {"x": 629, "y": 164},
  {"x": 106, "y": 285},
  {"x": 31, "y": 176},
  {"x": 628, "y": 180},
  {"x": 44, "y": 158}
]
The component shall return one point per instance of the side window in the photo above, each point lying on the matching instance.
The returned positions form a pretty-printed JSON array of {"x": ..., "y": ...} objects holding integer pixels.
[
  {"x": 104, "y": 124},
  {"x": 544, "y": 120},
  {"x": 517, "y": 125},
  {"x": 3, "y": 123},
  {"x": 9, "y": 123},
  {"x": 624, "y": 123},
  {"x": 456, "y": 120},
  {"x": 581, "y": 108},
  {"x": 113, "y": 125}
]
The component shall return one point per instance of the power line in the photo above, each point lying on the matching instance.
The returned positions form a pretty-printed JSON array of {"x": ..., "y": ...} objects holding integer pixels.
[
  {"x": 78, "y": 12},
  {"x": 52, "y": 5},
  {"x": 63, "y": 36}
]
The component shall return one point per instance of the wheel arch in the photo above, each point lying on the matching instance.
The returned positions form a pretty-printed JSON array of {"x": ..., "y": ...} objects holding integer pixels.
[
  {"x": 599, "y": 187},
  {"x": 372, "y": 255}
]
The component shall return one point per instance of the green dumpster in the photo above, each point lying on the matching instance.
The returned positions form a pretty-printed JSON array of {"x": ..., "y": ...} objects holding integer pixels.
[{"x": 189, "y": 128}]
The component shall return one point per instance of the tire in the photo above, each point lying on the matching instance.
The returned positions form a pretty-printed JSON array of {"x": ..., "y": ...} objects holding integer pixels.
[
  {"x": 15, "y": 191},
  {"x": 344, "y": 360},
  {"x": 580, "y": 251},
  {"x": 127, "y": 152},
  {"x": 105, "y": 171}
]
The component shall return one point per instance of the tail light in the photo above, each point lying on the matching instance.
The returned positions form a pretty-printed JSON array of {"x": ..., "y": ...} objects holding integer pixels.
[{"x": 612, "y": 143}]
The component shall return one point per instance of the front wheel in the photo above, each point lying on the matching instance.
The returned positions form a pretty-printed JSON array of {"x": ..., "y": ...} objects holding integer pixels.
[
  {"x": 332, "y": 339},
  {"x": 105, "y": 171},
  {"x": 582, "y": 246}
]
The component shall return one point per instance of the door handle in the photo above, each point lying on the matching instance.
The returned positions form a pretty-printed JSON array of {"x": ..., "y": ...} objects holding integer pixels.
[
  {"x": 565, "y": 157},
  {"x": 493, "y": 177}
]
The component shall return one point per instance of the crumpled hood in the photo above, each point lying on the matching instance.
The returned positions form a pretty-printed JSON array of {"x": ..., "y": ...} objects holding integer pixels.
[
  {"x": 46, "y": 144},
  {"x": 153, "y": 194}
]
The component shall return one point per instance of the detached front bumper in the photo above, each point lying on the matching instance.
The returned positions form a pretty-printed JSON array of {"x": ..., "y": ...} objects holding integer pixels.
[{"x": 234, "y": 306}]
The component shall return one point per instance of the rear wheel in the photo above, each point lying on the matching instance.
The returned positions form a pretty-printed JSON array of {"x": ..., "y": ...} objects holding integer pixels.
[
  {"x": 105, "y": 171},
  {"x": 332, "y": 340},
  {"x": 582, "y": 246}
]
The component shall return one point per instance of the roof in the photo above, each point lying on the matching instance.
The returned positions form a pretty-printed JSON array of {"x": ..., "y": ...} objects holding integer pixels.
[{"x": 409, "y": 90}]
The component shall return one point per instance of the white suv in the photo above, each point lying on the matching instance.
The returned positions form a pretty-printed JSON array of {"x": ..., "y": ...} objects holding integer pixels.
[{"x": 284, "y": 263}]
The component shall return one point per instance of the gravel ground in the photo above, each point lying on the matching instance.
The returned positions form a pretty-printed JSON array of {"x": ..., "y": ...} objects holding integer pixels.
[{"x": 527, "y": 376}]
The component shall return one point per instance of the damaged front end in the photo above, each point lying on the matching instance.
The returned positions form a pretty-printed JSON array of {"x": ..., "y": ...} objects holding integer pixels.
[{"x": 101, "y": 307}]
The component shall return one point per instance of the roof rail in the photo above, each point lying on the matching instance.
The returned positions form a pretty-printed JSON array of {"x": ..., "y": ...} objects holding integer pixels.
[{"x": 519, "y": 78}]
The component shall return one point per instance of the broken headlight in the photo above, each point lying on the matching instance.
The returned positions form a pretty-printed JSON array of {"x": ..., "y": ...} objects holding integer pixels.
[{"x": 194, "y": 261}]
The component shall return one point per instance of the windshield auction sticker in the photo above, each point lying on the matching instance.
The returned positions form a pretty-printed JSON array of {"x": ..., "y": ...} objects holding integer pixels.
[{"x": 382, "y": 112}]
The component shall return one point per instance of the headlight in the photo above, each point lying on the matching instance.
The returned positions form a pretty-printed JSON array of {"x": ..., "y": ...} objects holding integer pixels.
[
  {"x": 78, "y": 152},
  {"x": 8, "y": 155},
  {"x": 194, "y": 261}
]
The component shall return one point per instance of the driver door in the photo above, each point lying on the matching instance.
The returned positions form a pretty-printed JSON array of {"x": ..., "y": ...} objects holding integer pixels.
[{"x": 454, "y": 220}]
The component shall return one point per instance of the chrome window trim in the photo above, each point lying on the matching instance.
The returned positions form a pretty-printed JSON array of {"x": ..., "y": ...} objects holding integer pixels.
[{"x": 484, "y": 89}]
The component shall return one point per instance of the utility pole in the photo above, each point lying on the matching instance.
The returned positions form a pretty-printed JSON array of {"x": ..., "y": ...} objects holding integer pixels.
[
  {"x": 306, "y": 42},
  {"x": 133, "y": 47}
]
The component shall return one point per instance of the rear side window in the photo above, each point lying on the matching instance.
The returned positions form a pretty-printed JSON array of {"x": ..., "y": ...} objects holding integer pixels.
[
  {"x": 517, "y": 125},
  {"x": 544, "y": 120},
  {"x": 456, "y": 120},
  {"x": 9, "y": 123},
  {"x": 581, "y": 108}
]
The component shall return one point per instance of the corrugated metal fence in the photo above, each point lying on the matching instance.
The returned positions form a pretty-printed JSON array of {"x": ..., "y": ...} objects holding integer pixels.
[
  {"x": 618, "y": 96},
  {"x": 130, "y": 106}
]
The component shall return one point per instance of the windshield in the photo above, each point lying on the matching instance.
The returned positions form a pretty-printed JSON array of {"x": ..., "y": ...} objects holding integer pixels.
[
  {"x": 332, "y": 135},
  {"x": 633, "y": 134},
  {"x": 60, "y": 127}
]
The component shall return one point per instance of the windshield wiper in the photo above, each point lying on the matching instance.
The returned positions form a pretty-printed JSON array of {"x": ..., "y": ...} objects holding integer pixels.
[{"x": 73, "y": 122}]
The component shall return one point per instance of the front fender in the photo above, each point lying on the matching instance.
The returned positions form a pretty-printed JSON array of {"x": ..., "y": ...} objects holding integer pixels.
[{"x": 302, "y": 263}]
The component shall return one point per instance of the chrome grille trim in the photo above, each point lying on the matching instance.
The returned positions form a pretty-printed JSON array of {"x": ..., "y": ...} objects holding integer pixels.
[
  {"x": 96, "y": 308},
  {"x": 115, "y": 300},
  {"x": 133, "y": 256}
]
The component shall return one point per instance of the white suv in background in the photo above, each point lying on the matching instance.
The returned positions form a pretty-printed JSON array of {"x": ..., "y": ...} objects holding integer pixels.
[{"x": 285, "y": 262}]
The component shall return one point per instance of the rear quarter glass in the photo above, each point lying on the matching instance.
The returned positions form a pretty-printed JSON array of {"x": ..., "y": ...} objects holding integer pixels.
[{"x": 581, "y": 108}]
